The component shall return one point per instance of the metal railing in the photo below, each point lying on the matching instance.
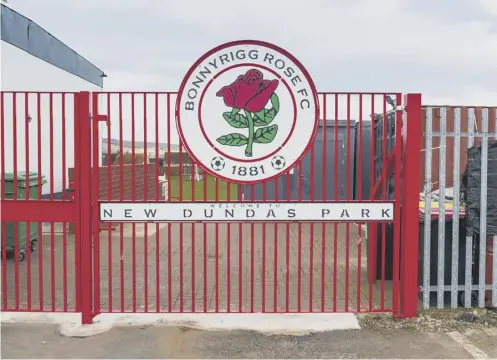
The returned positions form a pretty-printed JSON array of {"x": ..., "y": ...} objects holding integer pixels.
[{"x": 462, "y": 265}]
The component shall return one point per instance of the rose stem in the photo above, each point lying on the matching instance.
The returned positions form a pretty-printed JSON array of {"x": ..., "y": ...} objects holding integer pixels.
[{"x": 248, "y": 150}]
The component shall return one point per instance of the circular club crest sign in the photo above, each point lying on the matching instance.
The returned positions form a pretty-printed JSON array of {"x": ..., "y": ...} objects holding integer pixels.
[{"x": 247, "y": 111}]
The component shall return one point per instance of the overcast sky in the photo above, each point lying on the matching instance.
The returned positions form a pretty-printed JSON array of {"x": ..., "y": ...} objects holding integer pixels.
[{"x": 445, "y": 49}]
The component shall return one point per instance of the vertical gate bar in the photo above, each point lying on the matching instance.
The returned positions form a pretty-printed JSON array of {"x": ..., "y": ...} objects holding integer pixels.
[
  {"x": 468, "y": 274},
  {"x": 110, "y": 162},
  {"x": 76, "y": 187},
  {"x": 2, "y": 196},
  {"x": 347, "y": 197},
  {"x": 456, "y": 209},
  {"x": 95, "y": 199},
  {"x": 133, "y": 198},
  {"x": 483, "y": 209},
  {"x": 169, "y": 231},
  {"x": 441, "y": 209},
  {"x": 145, "y": 198},
  {"x": 157, "y": 190},
  {"x": 228, "y": 252},
  {"x": 240, "y": 256},
  {"x": 335, "y": 193},
  {"x": 181, "y": 276},
  {"x": 193, "y": 274},
  {"x": 194, "y": 226},
  {"x": 384, "y": 182},
  {"x": 264, "y": 196},
  {"x": 359, "y": 197},
  {"x": 411, "y": 136},
  {"x": 372, "y": 182},
  {"x": 16, "y": 266},
  {"x": 3, "y": 224},
  {"x": 494, "y": 271},
  {"x": 324, "y": 198},
  {"x": 64, "y": 186},
  {"x": 287, "y": 248},
  {"x": 40, "y": 224},
  {"x": 28, "y": 196},
  {"x": 252, "y": 255},
  {"x": 299, "y": 241},
  {"x": 52, "y": 224},
  {"x": 311, "y": 239},
  {"x": 15, "y": 197},
  {"x": 17, "y": 251},
  {"x": 121, "y": 198},
  {"x": 275, "y": 252},
  {"x": 397, "y": 210},
  {"x": 82, "y": 123},
  {"x": 263, "y": 261},
  {"x": 205, "y": 249},
  {"x": 216, "y": 227}
]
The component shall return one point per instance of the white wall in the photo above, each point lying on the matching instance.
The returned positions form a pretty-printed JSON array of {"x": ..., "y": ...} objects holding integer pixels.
[{"x": 23, "y": 72}]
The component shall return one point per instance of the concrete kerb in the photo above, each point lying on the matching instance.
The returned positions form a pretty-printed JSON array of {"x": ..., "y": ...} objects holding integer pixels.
[{"x": 270, "y": 324}]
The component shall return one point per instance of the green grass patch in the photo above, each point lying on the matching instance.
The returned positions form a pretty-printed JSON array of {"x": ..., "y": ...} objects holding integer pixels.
[{"x": 200, "y": 186}]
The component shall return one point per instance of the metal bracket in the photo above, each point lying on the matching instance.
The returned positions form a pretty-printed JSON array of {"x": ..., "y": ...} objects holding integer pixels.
[
  {"x": 101, "y": 117},
  {"x": 106, "y": 227}
]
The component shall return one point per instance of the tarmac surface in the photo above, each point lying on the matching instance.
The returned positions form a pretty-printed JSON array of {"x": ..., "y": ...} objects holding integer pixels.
[{"x": 44, "y": 342}]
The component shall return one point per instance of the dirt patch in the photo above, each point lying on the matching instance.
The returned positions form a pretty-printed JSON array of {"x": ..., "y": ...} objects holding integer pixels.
[{"x": 433, "y": 321}]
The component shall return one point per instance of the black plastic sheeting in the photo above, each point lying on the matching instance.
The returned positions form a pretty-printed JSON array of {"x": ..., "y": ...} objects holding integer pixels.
[
  {"x": 26, "y": 35},
  {"x": 471, "y": 188}
]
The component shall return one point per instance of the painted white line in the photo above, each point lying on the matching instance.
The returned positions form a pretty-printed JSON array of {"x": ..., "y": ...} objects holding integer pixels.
[
  {"x": 474, "y": 351},
  {"x": 277, "y": 324}
]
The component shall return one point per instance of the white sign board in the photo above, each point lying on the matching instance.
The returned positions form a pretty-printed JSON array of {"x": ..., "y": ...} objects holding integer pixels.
[
  {"x": 247, "y": 111},
  {"x": 245, "y": 211}
]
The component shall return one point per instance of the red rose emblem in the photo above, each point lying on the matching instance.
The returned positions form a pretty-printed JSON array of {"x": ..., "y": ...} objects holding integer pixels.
[{"x": 249, "y": 92}]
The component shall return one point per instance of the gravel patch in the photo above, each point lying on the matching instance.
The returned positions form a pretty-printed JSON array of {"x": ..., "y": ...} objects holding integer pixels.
[{"x": 433, "y": 321}]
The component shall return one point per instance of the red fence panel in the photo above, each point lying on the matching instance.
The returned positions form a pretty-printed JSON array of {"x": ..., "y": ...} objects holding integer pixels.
[{"x": 40, "y": 260}]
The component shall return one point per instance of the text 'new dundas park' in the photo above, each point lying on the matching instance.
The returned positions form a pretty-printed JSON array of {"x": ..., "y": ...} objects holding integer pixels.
[{"x": 235, "y": 212}]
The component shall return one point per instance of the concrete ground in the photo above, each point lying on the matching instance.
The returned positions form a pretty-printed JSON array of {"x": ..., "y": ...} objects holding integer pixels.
[
  {"x": 222, "y": 269},
  {"x": 43, "y": 342}
]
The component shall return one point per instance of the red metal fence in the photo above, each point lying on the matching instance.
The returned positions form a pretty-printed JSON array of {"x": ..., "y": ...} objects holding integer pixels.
[
  {"x": 202, "y": 267},
  {"x": 37, "y": 134}
]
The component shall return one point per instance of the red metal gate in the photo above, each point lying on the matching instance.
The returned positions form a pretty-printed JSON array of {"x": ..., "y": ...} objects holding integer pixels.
[
  {"x": 41, "y": 133},
  {"x": 130, "y": 151}
]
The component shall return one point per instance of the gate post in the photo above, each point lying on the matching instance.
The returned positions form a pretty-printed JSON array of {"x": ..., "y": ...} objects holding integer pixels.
[
  {"x": 83, "y": 164},
  {"x": 411, "y": 157}
]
